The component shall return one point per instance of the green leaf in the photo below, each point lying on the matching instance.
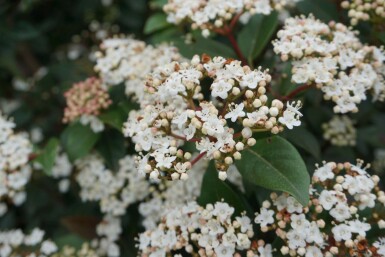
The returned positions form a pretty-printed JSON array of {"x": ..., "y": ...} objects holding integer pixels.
[
  {"x": 301, "y": 137},
  {"x": 114, "y": 116},
  {"x": 155, "y": 23},
  {"x": 111, "y": 147},
  {"x": 214, "y": 190},
  {"x": 78, "y": 140},
  {"x": 324, "y": 10},
  {"x": 47, "y": 156},
  {"x": 275, "y": 164},
  {"x": 204, "y": 46},
  {"x": 257, "y": 34}
]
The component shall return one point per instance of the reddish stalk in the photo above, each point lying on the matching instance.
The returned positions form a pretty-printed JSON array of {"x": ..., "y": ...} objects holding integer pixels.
[
  {"x": 32, "y": 157},
  {"x": 196, "y": 159},
  {"x": 236, "y": 48},
  {"x": 185, "y": 139},
  {"x": 295, "y": 92}
]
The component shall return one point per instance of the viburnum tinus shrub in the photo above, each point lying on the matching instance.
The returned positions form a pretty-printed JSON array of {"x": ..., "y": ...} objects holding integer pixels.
[{"x": 191, "y": 128}]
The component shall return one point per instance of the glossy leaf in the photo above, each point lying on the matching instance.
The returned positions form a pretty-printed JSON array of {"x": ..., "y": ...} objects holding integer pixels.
[
  {"x": 155, "y": 23},
  {"x": 47, "y": 156},
  {"x": 111, "y": 147},
  {"x": 115, "y": 117},
  {"x": 257, "y": 34},
  {"x": 302, "y": 137},
  {"x": 214, "y": 190},
  {"x": 78, "y": 140},
  {"x": 324, "y": 10},
  {"x": 275, "y": 164},
  {"x": 204, "y": 46}
]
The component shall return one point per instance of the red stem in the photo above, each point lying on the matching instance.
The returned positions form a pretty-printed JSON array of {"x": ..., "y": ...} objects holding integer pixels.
[
  {"x": 184, "y": 139},
  {"x": 196, "y": 159},
  {"x": 295, "y": 92},
  {"x": 235, "y": 45}
]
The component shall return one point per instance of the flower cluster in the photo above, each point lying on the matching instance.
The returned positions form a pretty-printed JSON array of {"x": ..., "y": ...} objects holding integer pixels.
[
  {"x": 14, "y": 243},
  {"x": 345, "y": 204},
  {"x": 340, "y": 131},
  {"x": 62, "y": 170},
  {"x": 360, "y": 10},
  {"x": 332, "y": 58},
  {"x": 215, "y": 14},
  {"x": 205, "y": 231},
  {"x": 85, "y": 100},
  {"x": 215, "y": 103},
  {"x": 126, "y": 60},
  {"x": 114, "y": 192},
  {"x": 15, "y": 172}
]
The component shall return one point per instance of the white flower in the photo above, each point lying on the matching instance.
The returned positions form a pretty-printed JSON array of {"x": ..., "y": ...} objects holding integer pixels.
[
  {"x": 296, "y": 239},
  {"x": 291, "y": 116},
  {"x": 340, "y": 212},
  {"x": 327, "y": 199},
  {"x": 313, "y": 251},
  {"x": 265, "y": 217},
  {"x": 380, "y": 245},
  {"x": 359, "y": 227},
  {"x": 48, "y": 247},
  {"x": 236, "y": 112},
  {"x": 342, "y": 232},
  {"x": 293, "y": 205},
  {"x": 325, "y": 172},
  {"x": 220, "y": 89},
  {"x": 223, "y": 211},
  {"x": 265, "y": 251}
]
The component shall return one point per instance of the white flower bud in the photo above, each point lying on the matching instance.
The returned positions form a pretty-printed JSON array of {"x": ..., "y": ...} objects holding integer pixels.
[
  {"x": 222, "y": 175},
  {"x": 237, "y": 156},
  {"x": 246, "y": 132},
  {"x": 183, "y": 176},
  {"x": 229, "y": 160}
]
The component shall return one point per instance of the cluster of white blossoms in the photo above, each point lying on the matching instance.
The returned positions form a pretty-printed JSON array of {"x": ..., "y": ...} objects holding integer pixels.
[
  {"x": 364, "y": 10},
  {"x": 340, "y": 131},
  {"x": 174, "y": 194},
  {"x": 15, "y": 243},
  {"x": 114, "y": 191},
  {"x": 193, "y": 230},
  {"x": 332, "y": 58},
  {"x": 128, "y": 61},
  {"x": 62, "y": 171},
  {"x": 215, "y": 103},
  {"x": 345, "y": 204},
  {"x": 15, "y": 172},
  {"x": 215, "y": 14}
]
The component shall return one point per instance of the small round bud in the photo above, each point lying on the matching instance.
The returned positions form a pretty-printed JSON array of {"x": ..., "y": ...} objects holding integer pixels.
[{"x": 222, "y": 175}]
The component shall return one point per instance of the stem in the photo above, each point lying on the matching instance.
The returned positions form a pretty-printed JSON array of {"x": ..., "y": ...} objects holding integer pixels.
[
  {"x": 191, "y": 103},
  {"x": 295, "y": 92},
  {"x": 196, "y": 159},
  {"x": 183, "y": 138},
  {"x": 234, "y": 44}
]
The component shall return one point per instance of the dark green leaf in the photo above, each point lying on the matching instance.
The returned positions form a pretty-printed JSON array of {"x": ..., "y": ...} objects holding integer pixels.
[
  {"x": 204, "y": 46},
  {"x": 47, "y": 157},
  {"x": 303, "y": 138},
  {"x": 214, "y": 190},
  {"x": 114, "y": 116},
  {"x": 257, "y": 34},
  {"x": 78, "y": 140},
  {"x": 155, "y": 23},
  {"x": 275, "y": 164},
  {"x": 111, "y": 147},
  {"x": 322, "y": 9}
]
